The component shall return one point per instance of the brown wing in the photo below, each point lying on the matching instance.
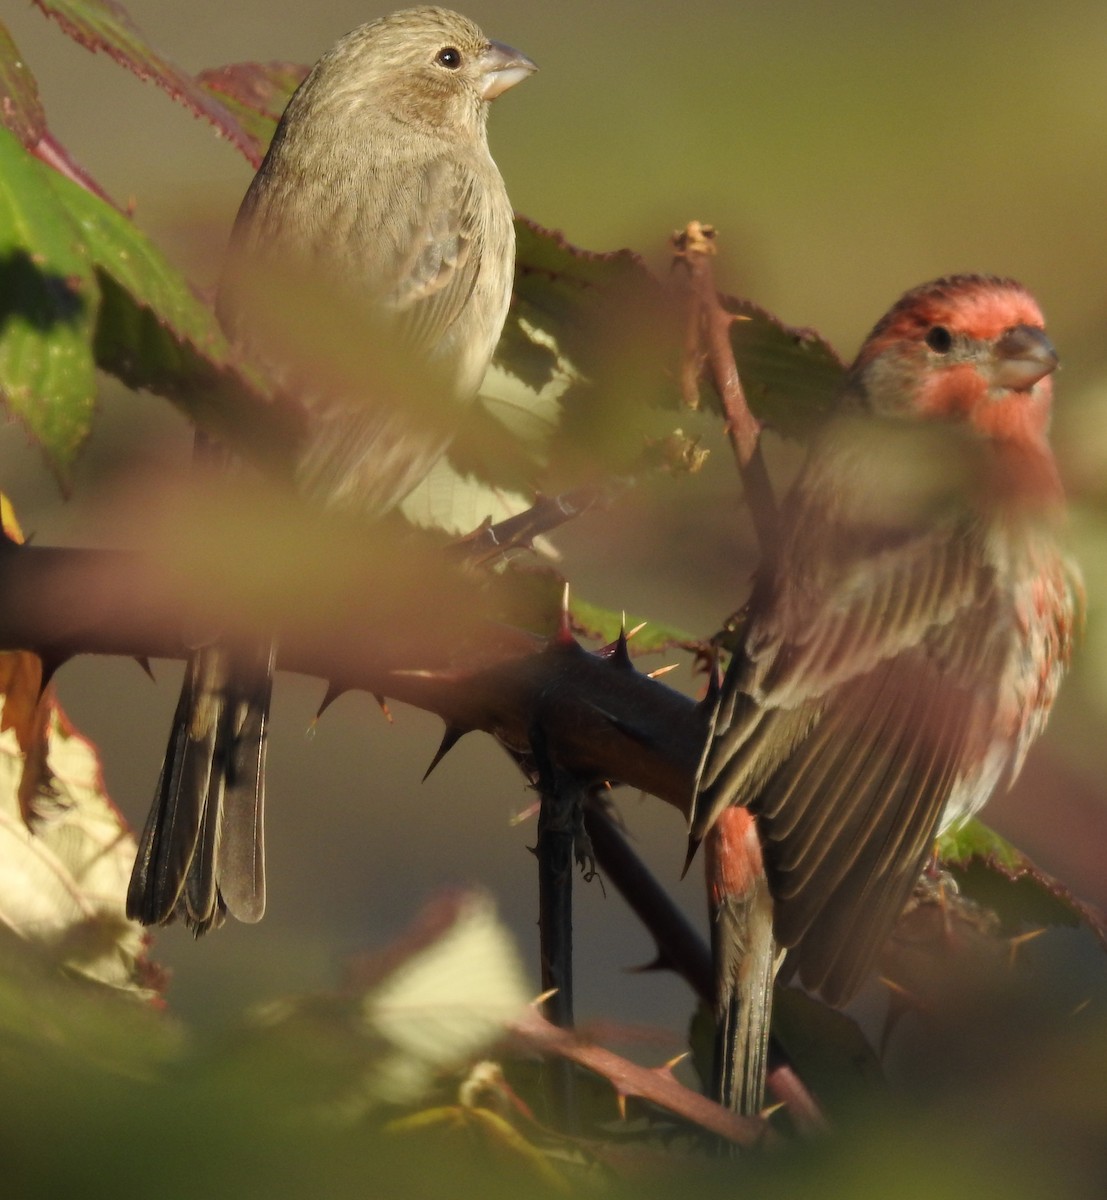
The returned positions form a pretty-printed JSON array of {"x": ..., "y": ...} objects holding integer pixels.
[
  {"x": 434, "y": 268},
  {"x": 844, "y": 730},
  {"x": 360, "y": 307},
  {"x": 369, "y": 455}
]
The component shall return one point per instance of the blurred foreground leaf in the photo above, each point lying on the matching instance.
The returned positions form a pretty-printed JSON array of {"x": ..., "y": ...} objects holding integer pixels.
[{"x": 443, "y": 995}]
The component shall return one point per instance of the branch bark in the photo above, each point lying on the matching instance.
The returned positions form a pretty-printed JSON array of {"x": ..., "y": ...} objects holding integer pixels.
[
  {"x": 653, "y": 1084},
  {"x": 426, "y": 643},
  {"x": 707, "y": 345}
]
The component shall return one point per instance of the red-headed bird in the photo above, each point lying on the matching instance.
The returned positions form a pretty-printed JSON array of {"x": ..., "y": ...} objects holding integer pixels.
[{"x": 900, "y": 651}]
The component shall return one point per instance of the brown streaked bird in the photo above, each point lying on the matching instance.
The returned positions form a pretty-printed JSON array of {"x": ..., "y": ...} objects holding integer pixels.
[
  {"x": 369, "y": 274},
  {"x": 899, "y": 653}
]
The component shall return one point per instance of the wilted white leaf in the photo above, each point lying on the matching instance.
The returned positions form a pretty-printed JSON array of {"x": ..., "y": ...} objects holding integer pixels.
[
  {"x": 445, "y": 1003},
  {"x": 458, "y": 503},
  {"x": 63, "y": 883},
  {"x": 446, "y": 499}
]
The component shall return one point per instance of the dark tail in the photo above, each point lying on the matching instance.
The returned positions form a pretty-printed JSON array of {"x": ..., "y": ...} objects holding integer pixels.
[
  {"x": 746, "y": 960},
  {"x": 202, "y": 851}
]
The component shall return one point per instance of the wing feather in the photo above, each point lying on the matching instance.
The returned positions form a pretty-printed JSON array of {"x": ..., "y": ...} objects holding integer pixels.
[{"x": 845, "y": 719}]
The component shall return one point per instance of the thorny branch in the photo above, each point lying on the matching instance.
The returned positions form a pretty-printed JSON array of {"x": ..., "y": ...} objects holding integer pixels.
[
  {"x": 431, "y": 648},
  {"x": 680, "y": 945},
  {"x": 655, "y": 1085},
  {"x": 422, "y": 640}
]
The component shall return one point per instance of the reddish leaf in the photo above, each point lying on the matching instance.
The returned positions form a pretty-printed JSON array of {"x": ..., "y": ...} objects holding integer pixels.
[
  {"x": 104, "y": 25},
  {"x": 256, "y": 93},
  {"x": 20, "y": 107},
  {"x": 22, "y": 112},
  {"x": 26, "y": 709},
  {"x": 50, "y": 151},
  {"x": 20, "y": 687}
]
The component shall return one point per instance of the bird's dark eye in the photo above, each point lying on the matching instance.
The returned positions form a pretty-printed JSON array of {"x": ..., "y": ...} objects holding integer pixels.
[
  {"x": 939, "y": 339},
  {"x": 449, "y": 57}
]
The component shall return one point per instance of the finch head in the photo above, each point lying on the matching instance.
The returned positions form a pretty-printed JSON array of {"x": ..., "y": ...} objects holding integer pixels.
[
  {"x": 429, "y": 67},
  {"x": 965, "y": 348}
]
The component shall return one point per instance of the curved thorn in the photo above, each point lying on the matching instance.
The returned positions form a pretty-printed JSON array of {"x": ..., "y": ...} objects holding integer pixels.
[
  {"x": 330, "y": 696},
  {"x": 621, "y": 655},
  {"x": 50, "y": 667},
  {"x": 693, "y": 846},
  {"x": 450, "y": 738}
]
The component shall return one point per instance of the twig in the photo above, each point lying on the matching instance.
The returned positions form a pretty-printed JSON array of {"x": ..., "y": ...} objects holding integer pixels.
[
  {"x": 519, "y": 532},
  {"x": 656, "y": 1085},
  {"x": 789, "y": 1090},
  {"x": 707, "y": 343},
  {"x": 561, "y": 798},
  {"x": 680, "y": 945}
]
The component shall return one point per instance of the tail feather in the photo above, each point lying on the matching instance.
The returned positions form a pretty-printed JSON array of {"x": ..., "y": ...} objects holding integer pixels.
[
  {"x": 199, "y": 902},
  {"x": 242, "y": 853},
  {"x": 746, "y": 960},
  {"x": 201, "y": 853}
]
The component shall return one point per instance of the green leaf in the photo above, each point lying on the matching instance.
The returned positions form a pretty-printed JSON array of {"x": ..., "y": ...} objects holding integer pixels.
[
  {"x": 992, "y": 872},
  {"x": 958, "y": 847},
  {"x": 791, "y": 376},
  {"x": 20, "y": 106},
  {"x": 603, "y": 332},
  {"x": 83, "y": 287},
  {"x": 601, "y": 337},
  {"x": 652, "y": 638},
  {"x": 22, "y": 112},
  {"x": 105, "y": 26},
  {"x": 827, "y": 1048},
  {"x": 118, "y": 249},
  {"x": 48, "y": 303}
]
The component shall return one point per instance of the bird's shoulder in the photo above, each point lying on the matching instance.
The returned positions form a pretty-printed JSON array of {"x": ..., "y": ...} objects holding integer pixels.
[{"x": 878, "y": 548}]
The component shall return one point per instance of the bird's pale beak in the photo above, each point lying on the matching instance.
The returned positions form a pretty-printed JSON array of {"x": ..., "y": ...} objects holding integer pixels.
[
  {"x": 1023, "y": 356},
  {"x": 501, "y": 68}
]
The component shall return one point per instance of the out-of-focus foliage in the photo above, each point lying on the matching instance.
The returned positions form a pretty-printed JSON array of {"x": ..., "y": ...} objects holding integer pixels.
[
  {"x": 289, "y": 1102},
  {"x": 584, "y": 388},
  {"x": 65, "y": 851}
]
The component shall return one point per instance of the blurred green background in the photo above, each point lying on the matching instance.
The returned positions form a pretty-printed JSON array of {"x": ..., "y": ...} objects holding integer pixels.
[{"x": 846, "y": 153}]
